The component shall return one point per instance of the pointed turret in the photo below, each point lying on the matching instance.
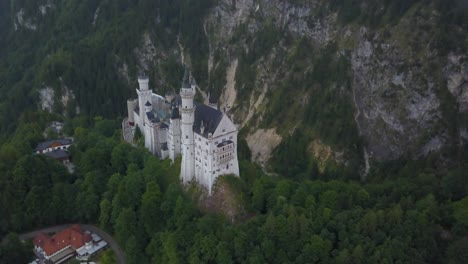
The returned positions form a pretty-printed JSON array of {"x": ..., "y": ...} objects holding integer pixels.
[
  {"x": 212, "y": 99},
  {"x": 186, "y": 79},
  {"x": 143, "y": 81},
  {"x": 144, "y": 96}
]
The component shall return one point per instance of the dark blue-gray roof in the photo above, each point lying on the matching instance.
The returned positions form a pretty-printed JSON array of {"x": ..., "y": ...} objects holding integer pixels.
[
  {"x": 148, "y": 103},
  {"x": 186, "y": 79},
  {"x": 208, "y": 117},
  {"x": 175, "y": 113},
  {"x": 143, "y": 76},
  {"x": 224, "y": 143},
  {"x": 212, "y": 99},
  {"x": 58, "y": 154},
  {"x": 152, "y": 117},
  {"x": 47, "y": 144}
]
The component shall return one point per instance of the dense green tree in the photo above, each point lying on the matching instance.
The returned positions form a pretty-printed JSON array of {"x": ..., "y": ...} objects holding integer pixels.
[
  {"x": 119, "y": 158},
  {"x": 105, "y": 213},
  {"x": 12, "y": 250},
  {"x": 460, "y": 211},
  {"x": 458, "y": 251},
  {"x": 108, "y": 257},
  {"x": 125, "y": 225},
  {"x": 151, "y": 214}
]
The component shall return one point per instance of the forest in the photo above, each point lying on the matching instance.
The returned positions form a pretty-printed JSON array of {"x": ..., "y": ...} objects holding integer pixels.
[{"x": 406, "y": 213}]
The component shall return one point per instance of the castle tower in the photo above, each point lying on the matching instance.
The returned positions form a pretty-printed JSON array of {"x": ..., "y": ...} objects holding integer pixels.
[
  {"x": 173, "y": 139},
  {"x": 144, "y": 95},
  {"x": 131, "y": 105},
  {"x": 187, "y": 111}
]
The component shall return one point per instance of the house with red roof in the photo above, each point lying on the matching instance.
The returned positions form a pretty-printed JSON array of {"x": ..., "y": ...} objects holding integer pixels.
[{"x": 64, "y": 245}]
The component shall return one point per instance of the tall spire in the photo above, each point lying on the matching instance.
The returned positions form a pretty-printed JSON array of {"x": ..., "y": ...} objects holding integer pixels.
[{"x": 186, "y": 80}]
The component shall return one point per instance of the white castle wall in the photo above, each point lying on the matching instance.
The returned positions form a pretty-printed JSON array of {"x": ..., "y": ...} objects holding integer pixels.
[{"x": 203, "y": 159}]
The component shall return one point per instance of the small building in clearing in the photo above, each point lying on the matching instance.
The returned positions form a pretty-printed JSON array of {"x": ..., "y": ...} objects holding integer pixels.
[
  {"x": 66, "y": 244},
  {"x": 55, "y": 144}
]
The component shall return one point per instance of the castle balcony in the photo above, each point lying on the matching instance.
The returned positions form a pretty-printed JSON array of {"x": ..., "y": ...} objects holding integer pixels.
[
  {"x": 225, "y": 151},
  {"x": 187, "y": 93}
]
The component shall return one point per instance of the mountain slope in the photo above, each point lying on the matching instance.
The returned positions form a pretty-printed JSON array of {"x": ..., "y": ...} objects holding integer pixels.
[{"x": 328, "y": 86}]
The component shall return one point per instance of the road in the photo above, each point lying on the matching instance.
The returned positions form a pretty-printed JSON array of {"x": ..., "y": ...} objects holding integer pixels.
[{"x": 108, "y": 238}]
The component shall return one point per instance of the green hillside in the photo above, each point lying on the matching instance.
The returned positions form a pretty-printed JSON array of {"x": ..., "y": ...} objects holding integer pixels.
[{"x": 353, "y": 122}]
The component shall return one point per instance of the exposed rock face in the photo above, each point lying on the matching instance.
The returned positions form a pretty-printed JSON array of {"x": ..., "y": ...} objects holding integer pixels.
[
  {"x": 262, "y": 143},
  {"x": 146, "y": 53},
  {"x": 396, "y": 74},
  {"x": 457, "y": 79},
  {"x": 22, "y": 21},
  {"x": 228, "y": 15},
  {"x": 45, "y": 7},
  {"x": 46, "y": 95},
  {"x": 298, "y": 19},
  {"x": 395, "y": 106},
  {"x": 228, "y": 98},
  {"x": 67, "y": 96},
  {"x": 396, "y": 95}
]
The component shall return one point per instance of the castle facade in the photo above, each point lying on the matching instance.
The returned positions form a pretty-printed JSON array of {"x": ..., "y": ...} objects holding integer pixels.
[{"x": 174, "y": 125}]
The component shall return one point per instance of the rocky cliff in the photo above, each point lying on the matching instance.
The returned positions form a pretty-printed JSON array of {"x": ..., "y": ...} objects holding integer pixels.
[
  {"x": 369, "y": 81},
  {"x": 403, "y": 85}
]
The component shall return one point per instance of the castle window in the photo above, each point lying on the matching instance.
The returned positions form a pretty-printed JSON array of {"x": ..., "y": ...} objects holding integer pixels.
[
  {"x": 230, "y": 137},
  {"x": 186, "y": 137}
]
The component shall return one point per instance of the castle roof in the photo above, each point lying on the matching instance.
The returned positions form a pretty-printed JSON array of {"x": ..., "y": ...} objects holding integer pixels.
[
  {"x": 212, "y": 99},
  {"x": 175, "y": 113},
  {"x": 224, "y": 143},
  {"x": 53, "y": 143},
  {"x": 148, "y": 103},
  {"x": 58, "y": 154},
  {"x": 206, "y": 117},
  {"x": 152, "y": 117},
  {"x": 143, "y": 76},
  {"x": 186, "y": 79}
]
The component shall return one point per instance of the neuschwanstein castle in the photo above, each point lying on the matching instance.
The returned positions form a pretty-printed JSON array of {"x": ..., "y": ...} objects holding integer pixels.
[{"x": 174, "y": 125}]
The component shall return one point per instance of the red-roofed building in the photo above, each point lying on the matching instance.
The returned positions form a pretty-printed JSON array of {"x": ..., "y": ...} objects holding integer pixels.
[{"x": 63, "y": 245}]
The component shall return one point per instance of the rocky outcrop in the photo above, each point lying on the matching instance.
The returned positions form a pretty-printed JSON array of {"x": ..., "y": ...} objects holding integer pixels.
[
  {"x": 396, "y": 94},
  {"x": 46, "y": 96},
  {"x": 397, "y": 79},
  {"x": 456, "y": 72},
  {"x": 23, "y": 21},
  {"x": 262, "y": 143},
  {"x": 396, "y": 106},
  {"x": 146, "y": 53}
]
